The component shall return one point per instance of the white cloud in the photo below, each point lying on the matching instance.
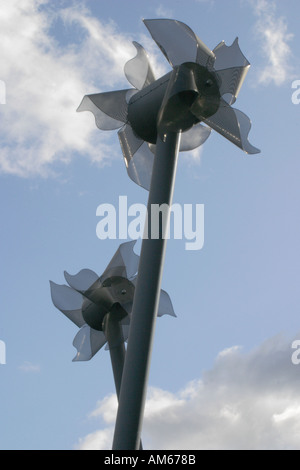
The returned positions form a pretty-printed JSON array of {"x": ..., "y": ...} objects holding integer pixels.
[
  {"x": 46, "y": 80},
  {"x": 246, "y": 401},
  {"x": 46, "y": 77},
  {"x": 46, "y": 74},
  {"x": 97, "y": 440},
  {"x": 274, "y": 37}
]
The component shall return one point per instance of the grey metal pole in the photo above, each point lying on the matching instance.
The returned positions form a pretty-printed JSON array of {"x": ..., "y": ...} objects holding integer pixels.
[
  {"x": 115, "y": 339},
  {"x": 146, "y": 299}
]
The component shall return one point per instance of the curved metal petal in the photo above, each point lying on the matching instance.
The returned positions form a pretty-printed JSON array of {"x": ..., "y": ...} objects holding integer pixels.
[
  {"x": 140, "y": 167},
  {"x": 88, "y": 342},
  {"x": 165, "y": 306},
  {"x": 68, "y": 301},
  {"x": 194, "y": 137},
  {"x": 138, "y": 70},
  {"x": 234, "y": 125},
  {"x": 130, "y": 258},
  {"x": 124, "y": 258},
  {"x": 232, "y": 67},
  {"x": 90, "y": 286},
  {"x": 81, "y": 281},
  {"x": 109, "y": 109},
  {"x": 229, "y": 56},
  {"x": 178, "y": 42},
  {"x": 129, "y": 142},
  {"x": 231, "y": 82},
  {"x": 137, "y": 156}
]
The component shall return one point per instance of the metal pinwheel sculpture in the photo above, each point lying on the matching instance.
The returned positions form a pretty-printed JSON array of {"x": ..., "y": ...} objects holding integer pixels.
[
  {"x": 89, "y": 300},
  {"x": 201, "y": 88},
  {"x": 158, "y": 118}
]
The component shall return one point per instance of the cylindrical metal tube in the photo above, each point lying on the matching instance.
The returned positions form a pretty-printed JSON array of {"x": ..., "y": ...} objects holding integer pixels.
[
  {"x": 115, "y": 339},
  {"x": 146, "y": 300}
]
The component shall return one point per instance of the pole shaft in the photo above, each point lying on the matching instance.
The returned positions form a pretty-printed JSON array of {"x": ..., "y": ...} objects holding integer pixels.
[
  {"x": 115, "y": 339},
  {"x": 146, "y": 299}
]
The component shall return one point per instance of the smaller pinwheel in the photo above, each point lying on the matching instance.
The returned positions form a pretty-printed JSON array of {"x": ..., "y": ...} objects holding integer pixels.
[
  {"x": 202, "y": 87},
  {"x": 89, "y": 299}
]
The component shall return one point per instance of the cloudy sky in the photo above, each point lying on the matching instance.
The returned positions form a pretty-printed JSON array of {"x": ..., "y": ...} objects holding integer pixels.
[{"x": 222, "y": 375}]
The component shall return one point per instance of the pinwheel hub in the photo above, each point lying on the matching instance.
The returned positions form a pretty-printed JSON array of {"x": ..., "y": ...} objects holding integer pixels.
[
  {"x": 115, "y": 290},
  {"x": 208, "y": 99},
  {"x": 175, "y": 102},
  {"x": 192, "y": 95}
]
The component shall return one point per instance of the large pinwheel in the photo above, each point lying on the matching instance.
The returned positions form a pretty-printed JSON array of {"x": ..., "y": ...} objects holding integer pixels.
[
  {"x": 157, "y": 118},
  {"x": 89, "y": 300},
  {"x": 201, "y": 88}
]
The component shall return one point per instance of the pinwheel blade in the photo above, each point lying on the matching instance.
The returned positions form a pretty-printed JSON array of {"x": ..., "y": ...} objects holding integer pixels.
[
  {"x": 109, "y": 109},
  {"x": 88, "y": 342},
  {"x": 138, "y": 70},
  {"x": 140, "y": 166},
  {"x": 234, "y": 125},
  {"x": 232, "y": 67},
  {"x": 89, "y": 285},
  {"x": 229, "y": 56},
  {"x": 194, "y": 137},
  {"x": 129, "y": 142},
  {"x": 178, "y": 42},
  {"x": 68, "y": 301},
  {"x": 81, "y": 281},
  {"x": 137, "y": 156},
  {"x": 124, "y": 262},
  {"x": 165, "y": 306},
  {"x": 231, "y": 82}
]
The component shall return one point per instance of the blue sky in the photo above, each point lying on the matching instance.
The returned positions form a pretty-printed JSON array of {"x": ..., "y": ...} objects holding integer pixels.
[{"x": 221, "y": 373}]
